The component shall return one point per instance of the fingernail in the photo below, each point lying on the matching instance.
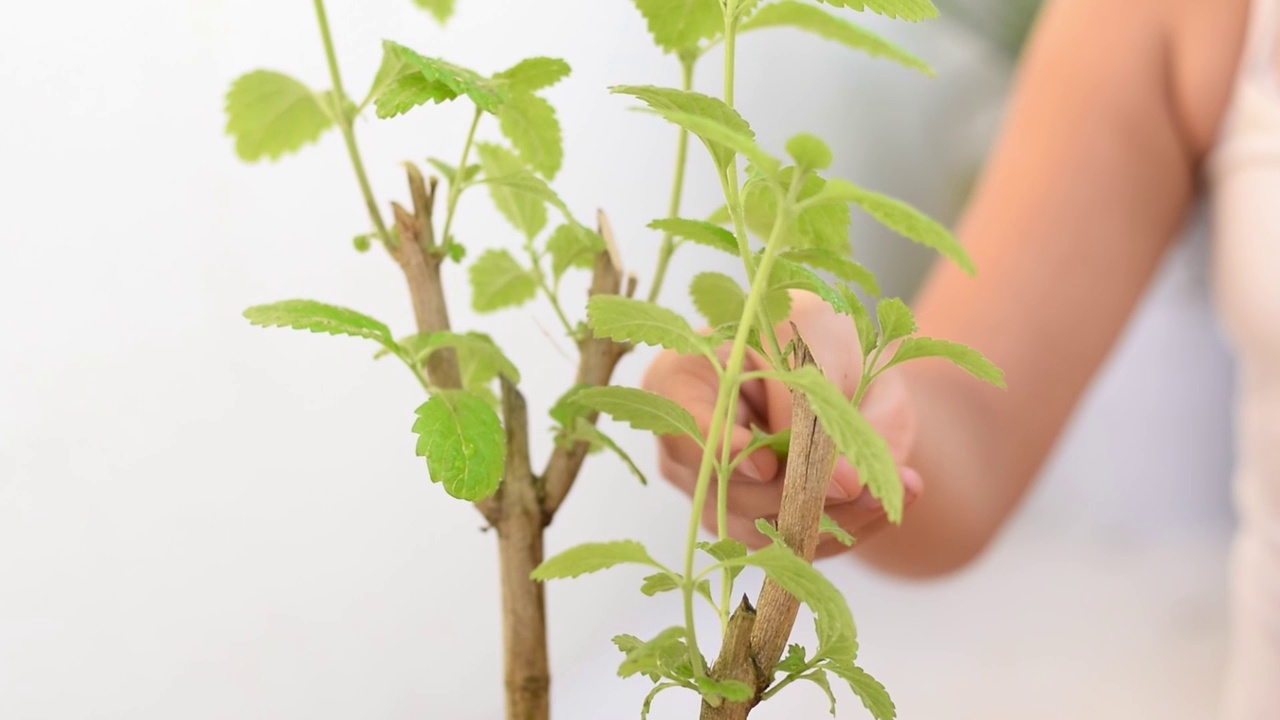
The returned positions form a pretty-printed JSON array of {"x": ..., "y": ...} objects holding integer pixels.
[
  {"x": 835, "y": 492},
  {"x": 749, "y": 470},
  {"x": 867, "y": 501}
]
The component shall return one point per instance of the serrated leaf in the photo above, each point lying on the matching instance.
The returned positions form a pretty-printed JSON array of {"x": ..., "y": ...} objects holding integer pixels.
[
  {"x": 521, "y": 207},
  {"x": 767, "y": 529},
  {"x": 964, "y": 357},
  {"x": 719, "y": 126},
  {"x": 809, "y": 151},
  {"x": 408, "y": 92},
  {"x": 441, "y": 9},
  {"x": 717, "y": 691},
  {"x": 806, "y": 17},
  {"x": 896, "y": 320},
  {"x": 866, "y": 450},
  {"x": 793, "y": 661},
  {"x": 319, "y": 317},
  {"x": 819, "y": 677},
  {"x": 530, "y": 123},
  {"x": 650, "y": 657},
  {"x": 832, "y": 528},
  {"x": 837, "y": 264},
  {"x": 461, "y": 437},
  {"x": 587, "y": 432},
  {"x": 534, "y": 74},
  {"x": 647, "y": 706},
  {"x": 822, "y": 225},
  {"x": 866, "y": 328},
  {"x": 718, "y": 297},
  {"x": 699, "y": 231},
  {"x": 640, "y": 409},
  {"x": 837, "y": 635},
  {"x": 573, "y": 246},
  {"x": 593, "y": 557},
  {"x": 270, "y": 114},
  {"x": 443, "y": 81},
  {"x": 910, "y": 10},
  {"x": 681, "y": 24},
  {"x": 793, "y": 276},
  {"x": 900, "y": 218},
  {"x": 625, "y": 320},
  {"x": 479, "y": 357},
  {"x": 498, "y": 282},
  {"x": 723, "y": 142},
  {"x": 873, "y": 695},
  {"x": 659, "y": 583}
]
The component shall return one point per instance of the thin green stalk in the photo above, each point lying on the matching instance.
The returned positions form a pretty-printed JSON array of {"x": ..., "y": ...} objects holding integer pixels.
[
  {"x": 455, "y": 187},
  {"x": 541, "y": 278},
  {"x": 677, "y": 188},
  {"x": 346, "y": 125},
  {"x": 777, "y": 688}
]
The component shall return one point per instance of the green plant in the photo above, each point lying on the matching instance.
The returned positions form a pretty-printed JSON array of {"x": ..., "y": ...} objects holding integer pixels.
[{"x": 473, "y": 427}]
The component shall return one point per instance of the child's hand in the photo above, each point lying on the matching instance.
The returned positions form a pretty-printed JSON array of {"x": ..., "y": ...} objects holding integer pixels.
[{"x": 756, "y": 486}]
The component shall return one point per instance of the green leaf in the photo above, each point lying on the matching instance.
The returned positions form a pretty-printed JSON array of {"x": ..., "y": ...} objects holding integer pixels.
[
  {"x": 964, "y": 357},
  {"x": 821, "y": 225},
  {"x": 534, "y": 74},
  {"x": 836, "y": 264},
  {"x": 625, "y": 320},
  {"x": 831, "y": 527},
  {"x": 809, "y": 151},
  {"x": 412, "y": 79},
  {"x": 788, "y": 275},
  {"x": 681, "y": 24},
  {"x": 866, "y": 450},
  {"x": 718, "y": 297},
  {"x": 659, "y": 583},
  {"x": 873, "y": 695},
  {"x": 462, "y": 439},
  {"x": 573, "y": 246},
  {"x": 700, "y": 232},
  {"x": 900, "y": 218},
  {"x": 837, "y": 635},
  {"x": 479, "y": 357},
  {"x": 819, "y": 677},
  {"x": 653, "y": 694},
  {"x": 587, "y": 432},
  {"x": 724, "y": 550},
  {"x": 866, "y": 328},
  {"x": 896, "y": 320},
  {"x": 653, "y": 657},
  {"x": 498, "y": 282},
  {"x": 793, "y": 661},
  {"x": 441, "y": 9},
  {"x": 530, "y": 123},
  {"x": 593, "y": 557},
  {"x": 717, "y": 691},
  {"x": 802, "y": 16},
  {"x": 518, "y": 195},
  {"x": 270, "y": 114},
  {"x": 719, "y": 126},
  {"x": 319, "y": 318},
  {"x": 723, "y": 142},
  {"x": 911, "y": 10},
  {"x": 640, "y": 409},
  {"x": 767, "y": 529}
]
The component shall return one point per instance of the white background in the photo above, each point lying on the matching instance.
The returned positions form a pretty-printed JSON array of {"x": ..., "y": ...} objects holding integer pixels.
[{"x": 200, "y": 519}]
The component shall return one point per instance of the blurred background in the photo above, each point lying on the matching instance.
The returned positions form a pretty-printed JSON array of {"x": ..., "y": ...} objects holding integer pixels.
[{"x": 200, "y": 519}]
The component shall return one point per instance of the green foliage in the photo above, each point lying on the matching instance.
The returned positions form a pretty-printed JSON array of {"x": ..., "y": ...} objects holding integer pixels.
[
  {"x": 767, "y": 529},
  {"x": 806, "y": 17},
  {"x": 719, "y": 126},
  {"x": 498, "y": 282},
  {"x": 866, "y": 450},
  {"x": 716, "y": 692},
  {"x": 819, "y": 677},
  {"x": 406, "y": 80},
  {"x": 912, "y": 10},
  {"x": 534, "y": 74},
  {"x": 836, "y": 264},
  {"x": 573, "y": 246},
  {"x": 832, "y": 528},
  {"x": 320, "y": 318},
  {"x": 450, "y": 172},
  {"x": 964, "y": 357},
  {"x": 699, "y": 231},
  {"x": 721, "y": 301},
  {"x": 529, "y": 121},
  {"x": 513, "y": 190},
  {"x": 681, "y": 24},
  {"x": 270, "y": 114},
  {"x": 640, "y": 409},
  {"x": 793, "y": 661},
  {"x": 819, "y": 225},
  {"x": 593, "y": 557},
  {"x": 663, "y": 656},
  {"x": 868, "y": 689},
  {"x": 480, "y": 360},
  {"x": 441, "y": 9},
  {"x": 461, "y": 437},
  {"x": 896, "y": 320},
  {"x": 788, "y": 275},
  {"x": 633, "y": 321},
  {"x": 809, "y": 151},
  {"x": 587, "y": 432},
  {"x": 659, "y": 583}
]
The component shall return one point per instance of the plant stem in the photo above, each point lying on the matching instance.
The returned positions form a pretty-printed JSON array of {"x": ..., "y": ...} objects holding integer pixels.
[
  {"x": 455, "y": 187},
  {"x": 677, "y": 188},
  {"x": 346, "y": 125}
]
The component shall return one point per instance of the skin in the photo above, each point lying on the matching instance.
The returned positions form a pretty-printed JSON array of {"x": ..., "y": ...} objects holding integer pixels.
[{"x": 1114, "y": 110}]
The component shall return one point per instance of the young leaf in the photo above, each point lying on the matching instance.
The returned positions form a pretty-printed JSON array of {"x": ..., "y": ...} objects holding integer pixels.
[
  {"x": 873, "y": 695},
  {"x": 587, "y": 432},
  {"x": 479, "y": 357},
  {"x": 809, "y": 151},
  {"x": 802, "y": 16},
  {"x": 793, "y": 661},
  {"x": 910, "y": 10},
  {"x": 319, "y": 318},
  {"x": 767, "y": 529},
  {"x": 652, "y": 657},
  {"x": 647, "y": 706},
  {"x": 900, "y": 218},
  {"x": 720, "y": 127},
  {"x": 530, "y": 123},
  {"x": 680, "y": 24},
  {"x": 573, "y": 246},
  {"x": 837, "y": 264},
  {"x": 444, "y": 81},
  {"x": 718, "y": 297},
  {"x": 640, "y": 409},
  {"x": 788, "y": 275},
  {"x": 853, "y": 435},
  {"x": 441, "y": 9},
  {"x": 867, "y": 336},
  {"x": 498, "y": 282},
  {"x": 407, "y": 92},
  {"x": 522, "y": 208},
  {"x": 722, "y": 142},
  {"x": 270, "y": 114},
  {"x": 831, "y": 527},
  {"x": 821, "y": 225},
  {"x": 896, "y": 320},
  {"x": 634, "y": 321},
  {"x": 462, "y": 439},
  {"x": 717, "y": 691},
  {"x": 593, "y": 557},
  {"x": 659, "y": 583},
  {"x": 964, "y": 357},
  {"x": 534, "y": 74},
  {"x": 819, "y": 677},
  {"x": 700, "y": 232}
]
